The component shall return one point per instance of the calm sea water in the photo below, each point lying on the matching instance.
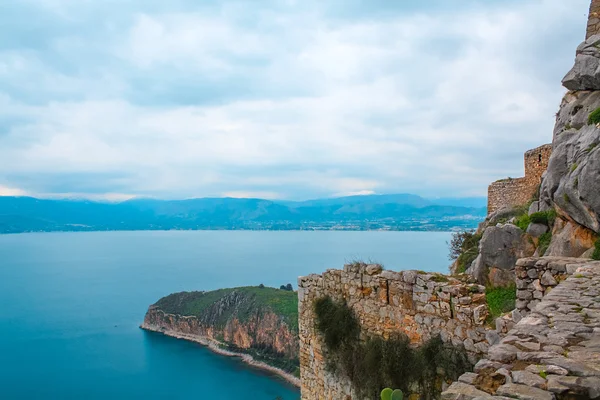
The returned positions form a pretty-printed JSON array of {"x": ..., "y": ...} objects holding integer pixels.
[{"x": 71, "y": 303}]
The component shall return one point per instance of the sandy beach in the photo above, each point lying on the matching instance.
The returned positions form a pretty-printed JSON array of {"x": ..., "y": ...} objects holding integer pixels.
[{"x": 213, "y": 345}]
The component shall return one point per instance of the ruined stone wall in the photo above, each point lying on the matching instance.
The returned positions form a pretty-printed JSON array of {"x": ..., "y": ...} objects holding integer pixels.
[
  {"x": 515, "y": 192},
  {"x": 593, "y": 25},
  {"x": 537, "y": 276},
  {"x": 417, "y": 304}
]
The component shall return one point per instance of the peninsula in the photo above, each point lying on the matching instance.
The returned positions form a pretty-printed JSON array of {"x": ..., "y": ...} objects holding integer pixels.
[{"x": 258, "y": 324}]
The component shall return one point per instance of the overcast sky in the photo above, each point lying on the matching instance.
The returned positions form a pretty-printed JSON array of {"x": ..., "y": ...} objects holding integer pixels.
[{"x": 277, "y": 99}]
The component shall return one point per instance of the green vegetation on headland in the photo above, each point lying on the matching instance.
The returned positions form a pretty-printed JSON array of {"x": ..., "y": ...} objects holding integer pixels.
[
  {"x": 256, "y": 320},
  {"x": 384, "y": 212},
  {"x": 251, "y": 299}
]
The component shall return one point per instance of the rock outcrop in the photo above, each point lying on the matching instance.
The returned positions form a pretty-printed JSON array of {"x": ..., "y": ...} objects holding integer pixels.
[
  {"x": 499, "y": 249},
  {"x": 572, "y": 182},
  {"x": 261, "y": 321}
]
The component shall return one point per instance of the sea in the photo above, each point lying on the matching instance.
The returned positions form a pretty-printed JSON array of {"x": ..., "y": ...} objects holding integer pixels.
[{"x": 71, "y": 304}]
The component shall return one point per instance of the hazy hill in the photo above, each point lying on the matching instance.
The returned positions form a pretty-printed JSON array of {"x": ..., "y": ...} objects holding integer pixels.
[{"x": 395, "y": 212}]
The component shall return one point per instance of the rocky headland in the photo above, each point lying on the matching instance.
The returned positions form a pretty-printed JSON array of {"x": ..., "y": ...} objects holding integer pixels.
[{"x": 258, "y": 324}]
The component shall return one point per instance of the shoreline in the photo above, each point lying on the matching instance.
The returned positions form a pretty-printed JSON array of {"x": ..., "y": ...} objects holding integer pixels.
[{"x": 212, "y": 345}]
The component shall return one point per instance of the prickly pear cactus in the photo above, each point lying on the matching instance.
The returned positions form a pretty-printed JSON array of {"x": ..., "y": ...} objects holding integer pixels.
[
  {"x": 397, "y": 395},
  {"x": 386, "y": 394}
]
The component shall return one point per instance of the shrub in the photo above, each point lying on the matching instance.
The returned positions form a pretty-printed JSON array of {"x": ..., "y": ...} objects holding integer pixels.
[
  {"x": 539, "y": 218},
  {"x": 464, "y": 247},
  {"x": 523, "y": 221},
  {"x": 594, "y": 117},
  {"x": 544, "y": 217},
  {"x": 544, "y": 243},
  {"x": 596, "y": 254},
  {"x": 336, "y": 322},
  {"x": 287, "y": 287},
  {"x": 378, "y": 363},
  {"x": 500, "y": 300}
]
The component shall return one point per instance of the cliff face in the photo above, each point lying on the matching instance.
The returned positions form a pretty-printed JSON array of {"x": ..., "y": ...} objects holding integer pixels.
[
  {"x": 261, "y": 321},
  {"x": 572, "y": 182}
]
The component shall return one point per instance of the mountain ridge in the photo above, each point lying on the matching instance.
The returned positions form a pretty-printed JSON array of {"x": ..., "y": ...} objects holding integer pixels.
[{"x": 370, "y": 212}]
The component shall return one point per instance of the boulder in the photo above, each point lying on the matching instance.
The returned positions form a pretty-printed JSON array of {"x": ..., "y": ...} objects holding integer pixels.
[
  {"x": 570, "y": 239},
  {"x": 536, "y": 230},
  {"x": 585, "y": 74},
  {"x": 463, "y": 391},
  {"x": 499, "y": 249}
]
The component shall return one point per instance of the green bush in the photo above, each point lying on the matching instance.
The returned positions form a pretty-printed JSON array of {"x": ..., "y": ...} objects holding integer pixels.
[
  {"x": 500, "y": 300},
  {"x": 464, "y": 248},
  {"x": 336, "y": 322},
  {"x": 523, "y": 221},
  {"x": 594, "y": 117},
  {"x": 544, "y": 243},
  {"x": 376, "y": 363},
  {"x": 544, "y": 217},
  {"x": 539, "y": 218},
  {"x": 596, "y": 254}
]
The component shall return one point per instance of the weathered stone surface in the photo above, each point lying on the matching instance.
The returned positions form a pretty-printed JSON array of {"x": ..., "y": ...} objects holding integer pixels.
[
  {"x": 462, "y": 391},
  {"x": 571, "y": 182},
  {"x": 560, "y": 339},
  {"x": 528, "y": 379},
  {"x": 536, "y": 230},
  {"x": 585, "y": 74},
  {"x": 495, "y": 264},
  {"x": 524, "y": 392}
]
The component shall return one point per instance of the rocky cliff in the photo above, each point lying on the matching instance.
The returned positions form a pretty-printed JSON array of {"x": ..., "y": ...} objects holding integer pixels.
[
  {"x": 572, "y": 182},
  {"x": 259, "y": 321}
]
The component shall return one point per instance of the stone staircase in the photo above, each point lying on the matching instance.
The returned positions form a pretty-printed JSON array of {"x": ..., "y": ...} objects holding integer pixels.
[{"x": 553, "y": 352}]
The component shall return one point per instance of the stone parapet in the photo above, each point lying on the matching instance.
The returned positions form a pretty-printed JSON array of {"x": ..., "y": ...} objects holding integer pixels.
[
  {"x": 420, "y": 305},
  {"x": 537, "y": 276}
]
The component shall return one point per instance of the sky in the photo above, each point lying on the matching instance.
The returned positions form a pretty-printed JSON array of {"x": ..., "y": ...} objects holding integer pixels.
[{"x": 279, "y": 99}]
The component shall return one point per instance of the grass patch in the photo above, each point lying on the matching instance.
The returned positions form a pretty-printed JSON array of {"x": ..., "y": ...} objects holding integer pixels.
[
  {"x": 377, "y": 363},
  {"x": 439, "y": 278},
  {"x": 544, "y": 243},
  {"x": 574, "y": 167},
  {"x": 596, "y": 253},
  {"x": 566, "y": 198},
  {"x": 500, "y": 300},
  {"x": 523, "y": 221},
  {"x": 594, "y": 117},
  {"x": 591, "y": 147}
]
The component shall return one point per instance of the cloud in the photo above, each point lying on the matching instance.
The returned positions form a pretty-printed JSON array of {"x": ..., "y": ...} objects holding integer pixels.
[
  {"x": 284, "y": 99},
  {"x": 8, "y": 191}
]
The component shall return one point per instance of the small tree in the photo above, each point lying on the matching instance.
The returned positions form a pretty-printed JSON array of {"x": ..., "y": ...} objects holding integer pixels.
[{"x": 459, "y": 243}]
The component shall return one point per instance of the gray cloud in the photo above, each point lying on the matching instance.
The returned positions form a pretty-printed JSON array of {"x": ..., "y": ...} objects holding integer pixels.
[{"x": 287, "y": 98}]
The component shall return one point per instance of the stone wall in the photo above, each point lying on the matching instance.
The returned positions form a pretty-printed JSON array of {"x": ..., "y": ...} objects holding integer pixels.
[
  {"x": 593, "y": 25},
  {"x": 518, "y": 191},
  {"x": 415, "y": 303},
  {"x": 537, "y": 276}
]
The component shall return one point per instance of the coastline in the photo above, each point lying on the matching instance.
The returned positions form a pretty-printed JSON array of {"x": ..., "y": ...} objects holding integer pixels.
[{"x": 213, "y": 345}]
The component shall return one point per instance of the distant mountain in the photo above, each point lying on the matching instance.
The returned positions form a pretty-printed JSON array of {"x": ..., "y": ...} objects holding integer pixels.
[{"x": 382, "y": 212}]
